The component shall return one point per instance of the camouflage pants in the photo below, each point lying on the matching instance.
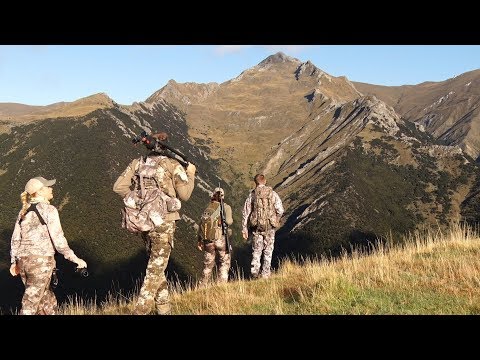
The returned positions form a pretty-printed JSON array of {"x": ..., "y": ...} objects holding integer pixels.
[
  {"x": 262, "y": 243},
  {"x": 211, "y": 251},
  {"x": 155, "y": 288},
  {"x": 36, "y": 273}
]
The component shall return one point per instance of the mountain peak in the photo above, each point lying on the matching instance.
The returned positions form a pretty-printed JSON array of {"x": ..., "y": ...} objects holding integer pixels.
[
  {"x": 100, "y": 98},
  {"x": 277, "y": 58},
  {"x": 185, "y": 93}
]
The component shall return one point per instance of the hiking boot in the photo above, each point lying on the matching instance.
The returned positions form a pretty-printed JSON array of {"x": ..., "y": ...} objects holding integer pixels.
[
  {"x": 164, "y": 309},
  {"x": 141, "y": 310}
]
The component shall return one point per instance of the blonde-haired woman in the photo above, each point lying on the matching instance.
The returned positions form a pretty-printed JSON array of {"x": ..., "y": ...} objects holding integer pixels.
[{"x": 37, "y": 234}]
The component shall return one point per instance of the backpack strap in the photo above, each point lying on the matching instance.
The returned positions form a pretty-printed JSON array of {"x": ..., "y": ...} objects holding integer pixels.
[
  {"x": 138, "y": 178},
  {"x": 216, "y": 213},
  {"x": 33, "y": 207},
  {"x": 252, "y": 202},
  {"x": 143, "y": 181},
  {"x": 142, "y": 185},
  {"x": 212, "y": 217},
  {"x": 270, "y": 194}
]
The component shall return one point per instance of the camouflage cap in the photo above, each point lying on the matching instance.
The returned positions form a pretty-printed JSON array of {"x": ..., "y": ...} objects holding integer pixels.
[
  {"x": 220, "y": 190},
  {"x": 36, "y": 183}
]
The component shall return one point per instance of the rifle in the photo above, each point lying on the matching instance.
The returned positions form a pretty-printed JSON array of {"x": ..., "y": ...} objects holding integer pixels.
[
  {"x": 224, "y": 224},
  {"x": 153, "y": 144}
]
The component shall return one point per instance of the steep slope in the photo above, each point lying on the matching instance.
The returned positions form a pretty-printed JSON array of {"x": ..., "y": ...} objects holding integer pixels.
[
  {"x": 241, "y": 119},
  {"x": 86, "y": 154},
  {"x": 449, "y": 109},
  {"x": 359, "y": 172}
]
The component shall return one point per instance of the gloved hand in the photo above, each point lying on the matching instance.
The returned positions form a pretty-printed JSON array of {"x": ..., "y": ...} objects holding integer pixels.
[
  {"x": 191, "y": 169},
  {"x": 14, "y": 269},
  {"x": 200, "y": 246},
  {"x": 80, "y": 263}
]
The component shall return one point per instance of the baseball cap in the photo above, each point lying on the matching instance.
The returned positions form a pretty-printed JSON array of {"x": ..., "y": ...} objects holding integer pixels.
[
  {"x": 36, "y": 183},
  {"x": 218, "y": 189}
]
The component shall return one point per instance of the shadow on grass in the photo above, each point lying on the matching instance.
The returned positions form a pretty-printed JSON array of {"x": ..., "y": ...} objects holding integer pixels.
[
  {"x": 123, "y": 279},
  {"x": 303, "y": 246}
]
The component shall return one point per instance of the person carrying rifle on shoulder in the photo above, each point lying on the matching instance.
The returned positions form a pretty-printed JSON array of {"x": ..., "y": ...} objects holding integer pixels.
[{"x": 170, "y": 179}]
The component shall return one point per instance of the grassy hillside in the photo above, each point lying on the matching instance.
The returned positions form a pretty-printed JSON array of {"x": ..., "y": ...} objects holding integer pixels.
[
  {"x": 432, "y": 272},
  {"x": 348, "y": 168},
  {"x": 86, "y": 155}
]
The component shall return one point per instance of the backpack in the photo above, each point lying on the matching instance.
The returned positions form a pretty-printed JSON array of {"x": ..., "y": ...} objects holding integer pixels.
[
  {"x": 263, "y": 216},
  {"x": 147, "y": 204},
  {"x": 209, "y": 229}
]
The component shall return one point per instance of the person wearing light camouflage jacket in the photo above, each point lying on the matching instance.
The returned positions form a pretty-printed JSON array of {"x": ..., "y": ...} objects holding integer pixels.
[
  {"x": 37, "y": 234},
  {"x": 263, "y": 237},
  {"x": 176, "y": 182}
]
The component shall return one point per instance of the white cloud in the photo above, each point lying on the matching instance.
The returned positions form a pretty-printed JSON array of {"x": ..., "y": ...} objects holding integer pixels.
[
  {"x": 289, "y": 49},
  {"x": 228, "y": 49}
]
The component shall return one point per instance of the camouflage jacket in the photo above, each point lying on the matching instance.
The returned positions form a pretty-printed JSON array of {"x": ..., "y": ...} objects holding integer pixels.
[
  {"x": 174, "y": 180},
  {"x": 30, "y": 237},
  {"x": 247, "y": 207}
]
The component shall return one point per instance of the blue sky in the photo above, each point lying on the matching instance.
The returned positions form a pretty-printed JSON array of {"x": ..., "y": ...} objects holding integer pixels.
[{"x": 45, "y": 74}]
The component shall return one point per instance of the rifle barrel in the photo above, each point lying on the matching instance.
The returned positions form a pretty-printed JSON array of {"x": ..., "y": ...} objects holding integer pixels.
[
  {"x": 185, "y": 160},
  {"x": 224, "y": 225}
]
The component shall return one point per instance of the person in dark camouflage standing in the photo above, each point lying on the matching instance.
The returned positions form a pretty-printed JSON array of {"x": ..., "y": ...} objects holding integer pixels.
[
  {"x": 33, "y": 246},
  {"x": 263, "y": 238},
  {"x": 175, "y": 181},
  {"x": 216, "y": 247}
]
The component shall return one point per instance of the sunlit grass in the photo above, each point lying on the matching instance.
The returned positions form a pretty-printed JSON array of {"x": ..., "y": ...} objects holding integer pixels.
[{"x": 433, "y": 272}]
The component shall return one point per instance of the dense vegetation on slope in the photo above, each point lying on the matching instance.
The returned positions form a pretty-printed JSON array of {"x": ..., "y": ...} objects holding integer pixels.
[
  {"x": 86, "y": 155},
  {"x": 366, "y": 196}
]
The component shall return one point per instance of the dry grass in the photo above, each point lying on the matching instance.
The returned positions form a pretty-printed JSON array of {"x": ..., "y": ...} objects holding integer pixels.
[
  {"x": 434, "y": 272},
  {"x": 116, "y": 303},
  {"x": 21, "y": 114}
]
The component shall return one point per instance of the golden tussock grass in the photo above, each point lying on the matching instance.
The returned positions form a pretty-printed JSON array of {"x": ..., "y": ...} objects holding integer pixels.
[{"x": 432, "y": 272}]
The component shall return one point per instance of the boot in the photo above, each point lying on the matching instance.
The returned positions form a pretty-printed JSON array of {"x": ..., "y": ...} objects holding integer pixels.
[{"x": 164, "y": 309}]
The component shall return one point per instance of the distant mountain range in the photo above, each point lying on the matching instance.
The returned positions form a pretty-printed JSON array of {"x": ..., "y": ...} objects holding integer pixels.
[
  {"x": 352, "y": 162},
  {"x": 449, "y": 110}
]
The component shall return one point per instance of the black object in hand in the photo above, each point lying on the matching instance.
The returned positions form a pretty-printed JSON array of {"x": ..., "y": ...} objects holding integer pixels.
[
  {"x": 54, "y": 279},
  {"x": 82, "y": 271}
]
